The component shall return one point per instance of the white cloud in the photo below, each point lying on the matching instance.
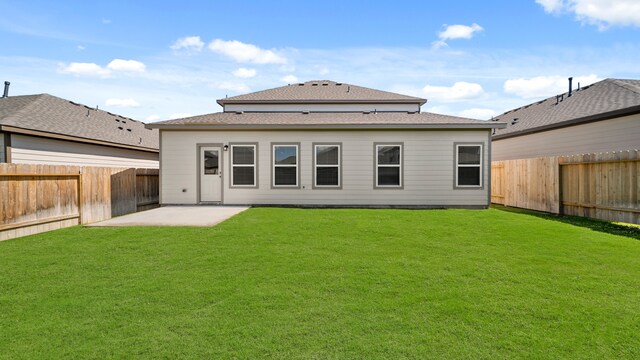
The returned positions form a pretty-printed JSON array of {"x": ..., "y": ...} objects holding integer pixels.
[
  {"x": 179, "y": 115},
  {"x": 478, "y": 113},
  {"x": 452, "y": 32},
  {"x": 189, "y": 43},
  {"x": 245, "y": 53},
  {"x": 602, "y": 13},
  {"x": 289, "y": 79},
  {"x": 152, "y": 118},
  {"x": 235, "y": 87},
  {"x": 80, "y": 47},
  {"x": 84, "y": 69},
  {"x": 122, "y": 102},
  {"x": 244, "y": 73},
  {"x": 106, "y": 21},
  {"x": 126, "y": 65},
  {"x": 545, "y": 86},
  {"x": 458, "y": 92}
]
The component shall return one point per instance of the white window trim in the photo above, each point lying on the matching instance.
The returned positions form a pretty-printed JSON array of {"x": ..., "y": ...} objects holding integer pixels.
[
  {"x": 480, "y": 166},
  {"x": 255, "y": 172},
  {"x": 316, "y": 166},
  {"x": 273, "y": 165},
  {"x": 399, "y": 166}
]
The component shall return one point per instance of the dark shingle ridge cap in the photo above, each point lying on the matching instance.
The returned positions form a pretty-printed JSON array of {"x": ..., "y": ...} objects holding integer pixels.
[{"x": 276, "y": 96}]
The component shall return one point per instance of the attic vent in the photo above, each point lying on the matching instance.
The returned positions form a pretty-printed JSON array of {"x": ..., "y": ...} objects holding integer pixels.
[
  {"x": 514, "y": 121},
  {"x": 239, "y": 112},
  {"x": 411, "y": 112},
  {"x": 124, "y": 122},
  {"x": 76, "y": 104},
  {"x": 306, "y": 112},
  {"x": 325, "y": 84},
  {"x": 301, "y": 84},
  {"x": 314, "y": 84},
  {"x": 586, "y": 87},
  {"x": 118, "y": 120},
  {"x": 120, "y": 127},
  {"x": 366, "y": 112},
  {"x": 338, "y": 84},
  {"x": 129, "y": 130}
]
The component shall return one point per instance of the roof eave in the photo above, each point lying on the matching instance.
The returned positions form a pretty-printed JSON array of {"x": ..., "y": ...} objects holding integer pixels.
[
  {"x": 223, "y": 102},
  {"x": 582, "y": 120},
  {"x": 492, "y": 125}
]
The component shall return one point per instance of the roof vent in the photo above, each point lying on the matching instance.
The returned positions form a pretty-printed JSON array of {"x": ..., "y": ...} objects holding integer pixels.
[
  {"x": 118, "y": 120},
  {"x": 325, "y": 84},
  {"x": 6, "y": 89},
  {"x": 306, "y": 112},
  {"x": 366, "y": 112},
  {"x": 314, "y": 84},
  {"x": 338, "y": 84},
  {"x": 129, "y": 130},
  {"x": 301, "y": 84},
  {"x": 120, "y": 127},
  {"x": 411, "y": 112},
  {"x": 239, "y": 112},
  {"x": 514, "y": 121}
]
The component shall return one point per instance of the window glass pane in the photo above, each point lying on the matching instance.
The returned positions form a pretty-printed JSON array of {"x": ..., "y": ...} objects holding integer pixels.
[
  {"x": 469, "y": 175},
  {"x": 327, "y": 176},
  {"x": 285, "y": 155},
  {"x": 285, "y": 176},
  {"x": 469, "y": 155},
  {"x": 389, "y": 155},
  {"x": 243, "y": 155},
  {"x": 327, "y": 155},
  {"x": 243, "y": 175},
  {"x": 211, "y": 162},
  {"x": 388, "y": 176}
]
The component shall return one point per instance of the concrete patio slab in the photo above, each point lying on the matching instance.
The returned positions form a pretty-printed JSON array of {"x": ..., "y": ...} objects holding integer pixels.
[{"x": 176, "y": 216}]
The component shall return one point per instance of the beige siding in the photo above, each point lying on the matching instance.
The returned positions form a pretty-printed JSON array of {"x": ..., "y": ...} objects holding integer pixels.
[
  {"x": 428, "y": 168},
  {"x": 36, "y": 150},
  {"x": 603, "y": 136},
  {"x": 321, "y": 107}
]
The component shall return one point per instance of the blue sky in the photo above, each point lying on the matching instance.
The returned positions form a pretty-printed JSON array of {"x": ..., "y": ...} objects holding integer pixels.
[{"x": 159, "y": 60}]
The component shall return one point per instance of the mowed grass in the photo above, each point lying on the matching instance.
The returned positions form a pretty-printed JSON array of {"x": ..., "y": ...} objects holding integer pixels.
[{"x": 295, "y": 283}]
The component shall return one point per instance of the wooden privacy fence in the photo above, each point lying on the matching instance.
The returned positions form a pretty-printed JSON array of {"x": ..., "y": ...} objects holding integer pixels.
[
  {"x": 604, "y": 186},
  {"x": 37, "y": 198}
]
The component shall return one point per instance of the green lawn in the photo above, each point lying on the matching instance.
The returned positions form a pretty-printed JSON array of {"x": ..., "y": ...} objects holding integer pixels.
[{"x": 292, "y": 283}]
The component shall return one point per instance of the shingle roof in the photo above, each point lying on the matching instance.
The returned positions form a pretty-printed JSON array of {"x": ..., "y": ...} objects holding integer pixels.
[
  {"x": 323, "y": 119},
  {"x": 321, "y": 91},
  {"x": 50, "y": 114},
  {"x": 605, "y": 99}
]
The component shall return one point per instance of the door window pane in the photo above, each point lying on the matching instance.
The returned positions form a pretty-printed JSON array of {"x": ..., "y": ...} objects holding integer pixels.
[{"x": 211, "y": 162}]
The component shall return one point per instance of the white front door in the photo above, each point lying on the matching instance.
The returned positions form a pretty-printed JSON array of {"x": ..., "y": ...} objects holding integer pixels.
[{"x": 210, "y": 174}]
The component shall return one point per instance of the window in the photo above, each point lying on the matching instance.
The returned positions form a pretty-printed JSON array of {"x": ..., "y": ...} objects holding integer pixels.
[
  {"x": 211, "y": 162},
  {"x": 468, "y": 165},
  {"x": 388, "y": 167},
  {"x": 326, "y": 172},
  {"x": 285, "y": 165},
  {"x": 243, "y": 165}
]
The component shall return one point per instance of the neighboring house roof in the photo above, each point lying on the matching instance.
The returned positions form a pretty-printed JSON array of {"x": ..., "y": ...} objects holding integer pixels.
[
  {"x": 47, "y": 115},
  {"x": 320, "y": 91},
  {"x": 385, "y": 120},
  {"x": 603, "y": 100}
]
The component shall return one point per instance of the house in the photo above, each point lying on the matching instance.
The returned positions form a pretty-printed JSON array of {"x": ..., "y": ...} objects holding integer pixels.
[
  {"x": 325, "y": 143},
  {"x": 602, "y": 117},
  {"x": 44, "y": 129}
]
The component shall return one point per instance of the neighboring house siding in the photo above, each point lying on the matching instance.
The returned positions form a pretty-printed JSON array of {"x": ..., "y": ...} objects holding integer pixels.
[
  {"x": 321, "y": 107},
  {"x": 2, "y": 151},
  {"x": 603, "y": 136},
  {"x": 37, "y": 150},
  {"x": 428, "y": 168}
]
